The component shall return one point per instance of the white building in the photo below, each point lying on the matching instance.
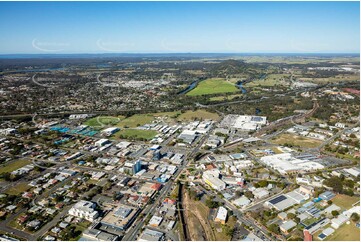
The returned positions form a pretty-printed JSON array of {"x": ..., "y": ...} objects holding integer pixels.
[
  {"x": 110, "y": 131},
  {"x": 340, "y": 125},
  {"x": 221, "y": 215},
  {"x": 211, "y": 179},
  {"x": 244, "y": 122},
  {"x": 241, "y": 202},
  {"x": 101, "y": 142},
  {"x": 286, "y": 163},
  {"x": 337, "y": 222},
  {"x": 84, "y": 209}
]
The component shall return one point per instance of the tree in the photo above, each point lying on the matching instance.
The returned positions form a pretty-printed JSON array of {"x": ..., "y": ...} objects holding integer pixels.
[
  {"x": 262, "y": 183},
  {"x": 291, "y": 215},
  {"x": 211, "y": 204},
  {"x": 274, "y": 228},
  {"x": 335, "y": 183},
  {"x": 227, "y": 230},
  {"x": 249, "y": 194},
  {"x": 355, "y": 217},
  {"x": 335, "y": 213}
]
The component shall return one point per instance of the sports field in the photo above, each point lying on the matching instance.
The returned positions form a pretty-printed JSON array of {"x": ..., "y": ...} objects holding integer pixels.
[
  {"x": 213, "y": 86},
  {"x": 103, "y": 120}
]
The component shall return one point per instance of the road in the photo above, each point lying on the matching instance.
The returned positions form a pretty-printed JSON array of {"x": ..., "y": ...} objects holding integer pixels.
[{"x": 150, "y": 209}]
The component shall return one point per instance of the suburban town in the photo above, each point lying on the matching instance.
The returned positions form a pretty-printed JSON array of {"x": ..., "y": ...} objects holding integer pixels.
[
  {"x": 180, "y": 121},
  {"x": 201, "y": 174}
]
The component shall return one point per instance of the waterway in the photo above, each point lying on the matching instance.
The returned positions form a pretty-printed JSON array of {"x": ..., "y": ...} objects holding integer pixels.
[
  {"x": 189, "y": 88},
  {"x": 240, "y": 86}
]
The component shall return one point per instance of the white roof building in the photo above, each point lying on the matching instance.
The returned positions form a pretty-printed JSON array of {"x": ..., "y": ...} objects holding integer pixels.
[
  {"x": 155, "y": 221},
  {"x": 221, "y": 215},
  {"x": 101, "y": 142},
  {"x": 213, "y": 181},
  {"x": 337, "y": 222},
  {"x": 84, "y": 209},
  {"x": 286, "y": 163},
  {"x": 242, "y": 201}
]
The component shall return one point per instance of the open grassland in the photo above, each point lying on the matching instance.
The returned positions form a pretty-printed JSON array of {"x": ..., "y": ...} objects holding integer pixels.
[
  {"x": 345, "y": 201},
  {"x": 213, "y": 86},
  {"x": 136, "y": 120},
  {"x": 296, "y": 140},
  {"x": 174, "y": 114},
  {"x": 12, "y": 166},
  {"x": 199, "y": 114},
  {"x": 18, "y": 188},
  {"x": 337, "y": 78},
  {"x": 270, "y": 81},
  {"x": 103, "y": 120},
  {"x": 136, "y": 134}
]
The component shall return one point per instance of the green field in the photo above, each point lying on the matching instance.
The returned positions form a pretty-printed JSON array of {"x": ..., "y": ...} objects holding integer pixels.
[
  {"x": 105, "y": 120},
  {"x": 199, "y": 114},
  {"x": 18, "y": 189},
  {"x": 136, "y": 120},
  {"x": 296, "y": 141},
  {"x": 136, "y": 134},
  {"x": 225, "y": 98},
  {"x": 270, "y": 81},
  {"x": 213, "y": 86},
  {"x": 345, "y": 201},
  {"x": 12, "y": 166}
]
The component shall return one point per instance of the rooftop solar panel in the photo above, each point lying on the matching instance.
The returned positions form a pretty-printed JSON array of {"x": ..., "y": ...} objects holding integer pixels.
[{"x": 277, "y": 199}]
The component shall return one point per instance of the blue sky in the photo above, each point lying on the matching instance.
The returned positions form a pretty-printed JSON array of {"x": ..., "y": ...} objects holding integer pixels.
[{"x": 117, "y": 27}]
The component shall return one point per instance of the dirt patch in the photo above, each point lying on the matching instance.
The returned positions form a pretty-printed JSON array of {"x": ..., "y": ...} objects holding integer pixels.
[{"x": 197, "y": 219}]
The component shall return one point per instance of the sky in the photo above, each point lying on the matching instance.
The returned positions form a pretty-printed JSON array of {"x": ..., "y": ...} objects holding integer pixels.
[{"x": 168, "y": 27}]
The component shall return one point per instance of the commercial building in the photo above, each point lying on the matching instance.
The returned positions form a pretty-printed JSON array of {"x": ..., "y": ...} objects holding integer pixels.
[
  {"x": 221, "y": 215},
  {"x": 287, "y": 226},
  {"x": 151, "y": 235},
  {"x": 84, "y": 209},
  {"x": 188, "y": 136},
  {"x": 120, "y": 218},
  {"x": 212, "y": 180},
  {"x": 155, "y": 221}
]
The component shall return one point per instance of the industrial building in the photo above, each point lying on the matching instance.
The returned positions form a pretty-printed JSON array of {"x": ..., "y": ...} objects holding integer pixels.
[
  {"x": 110, "y": 131},
  {"x": 285, "y": 163},
  {"x": 243, "y": 122}
]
